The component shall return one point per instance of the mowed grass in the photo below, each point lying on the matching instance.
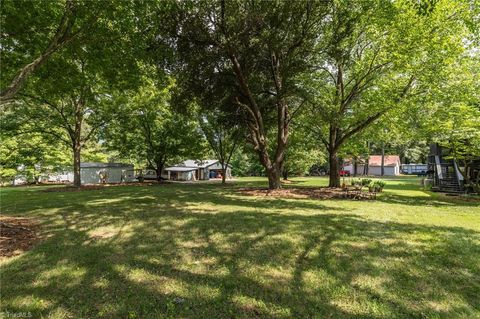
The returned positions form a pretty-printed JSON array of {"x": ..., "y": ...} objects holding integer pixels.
[{"x": 205, "y": 251}]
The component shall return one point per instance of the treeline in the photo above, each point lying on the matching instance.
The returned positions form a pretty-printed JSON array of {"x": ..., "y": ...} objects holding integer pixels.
[{"x": 272, "y": 86}]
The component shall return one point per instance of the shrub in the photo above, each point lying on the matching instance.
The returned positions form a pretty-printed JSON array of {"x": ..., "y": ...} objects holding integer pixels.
[
  {"x": 366, "y": 181},
  {"x": 379, "y": 185},
  {"x": 376, "y": 186},
  {"x": 356, "y": 182}
]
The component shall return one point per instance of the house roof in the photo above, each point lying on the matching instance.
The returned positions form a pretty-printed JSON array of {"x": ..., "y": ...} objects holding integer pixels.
[
  {"x": 197, "y": 163},
  {"x": 389, "y": 160},
  {"x": 180, "y": 169},
  {"x": 104, "y": 165}
]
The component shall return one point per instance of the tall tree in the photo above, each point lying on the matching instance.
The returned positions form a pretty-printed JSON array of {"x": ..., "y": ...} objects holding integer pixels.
[
  {"x": 261, "y": 47},
  {"x": 452, "y": 115},
  {"x": 148, "y": 129},
  {"x": 33, "y": 152},
  {"x": 74, "y": 94},
  {"x": 223, "y": 136},
  {"x": 372, "y": 57},
  {"x": 74, "y": 121}
]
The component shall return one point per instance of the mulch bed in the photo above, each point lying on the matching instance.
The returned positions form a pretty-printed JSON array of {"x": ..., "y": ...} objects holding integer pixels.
[
  {"x": 309, "y": 193},
  {"x": 17, "y": 235},
  {"x": 69, "y": 188},
  {"x": 72, "y": 189}
]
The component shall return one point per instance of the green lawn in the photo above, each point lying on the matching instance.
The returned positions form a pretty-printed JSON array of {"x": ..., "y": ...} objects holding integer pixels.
[{"x": 205, "y": 251}]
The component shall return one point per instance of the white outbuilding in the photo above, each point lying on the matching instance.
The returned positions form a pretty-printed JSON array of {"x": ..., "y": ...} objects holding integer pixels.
[{"x": 98, "y": 173}]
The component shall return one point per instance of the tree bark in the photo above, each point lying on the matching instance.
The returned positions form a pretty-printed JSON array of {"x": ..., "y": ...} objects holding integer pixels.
[
  {"x": 334, "y": 143},
  {"x": 367, "y": 164},
  {"x": 273, "y": 175},
  {"x": 159, "y": 169},
  {"x": 224, "y": 172},
  {"x": 334, "y": 175},
  {"x": 273, "y": 167},
  {"x": 76, "y": 163},
  {"x": 76, "y": 136},
  {"x": 355, "y": 166},
  {"x": 477, "y": 183},
  {"x": 383, "y": 160}
]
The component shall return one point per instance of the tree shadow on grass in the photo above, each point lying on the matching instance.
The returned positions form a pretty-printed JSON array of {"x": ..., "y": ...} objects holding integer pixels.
[
  {"x": 427, "y": 198},
  {"x": 162, "y": 257}
]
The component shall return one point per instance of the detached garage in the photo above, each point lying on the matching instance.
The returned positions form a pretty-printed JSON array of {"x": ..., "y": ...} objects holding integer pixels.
[
  {"x": 98, "y": 173},
  {"x": 391, "y": 166}
]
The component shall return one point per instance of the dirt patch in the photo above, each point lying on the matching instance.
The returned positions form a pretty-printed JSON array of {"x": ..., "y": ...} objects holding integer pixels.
[
  {"x": 315, "y": 193},
  {"x": 72, "y": 189},
  {"x": 100, "y": 186},
  {"x": 17, "y": 235}
]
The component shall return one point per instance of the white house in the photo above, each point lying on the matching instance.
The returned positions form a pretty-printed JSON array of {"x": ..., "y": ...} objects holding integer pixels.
[
  {"x": 391, "y": 166},
  {"x": 191, "y": 170},
  {"x": 97, "y": 173}
]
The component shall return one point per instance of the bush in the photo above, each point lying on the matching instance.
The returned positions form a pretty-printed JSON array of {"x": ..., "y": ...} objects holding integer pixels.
[
  {"x": 366, "y": 181},
  {"x": 356, "y": 182},
  {"x": 376, "y": 186},
  {"x": 381, "y": 184}
]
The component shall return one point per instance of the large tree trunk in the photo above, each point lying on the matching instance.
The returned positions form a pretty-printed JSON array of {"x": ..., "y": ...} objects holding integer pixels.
[
  {"x": 273, "y": 171},
  {"x": 258, "y": 132},
  {"x": 333, "y": 146},
  {"x": 159, "y": 170},
  {"x": 355, "y": 166},
  {"x": 224, "y": 173},
  {"x": 76, "y": 164},
  {"x": 334, "y": 175},
  {"x": 273, "y": 175},
  {"x": 477, "y": 183},
  {"x": 76, "y": 137}
]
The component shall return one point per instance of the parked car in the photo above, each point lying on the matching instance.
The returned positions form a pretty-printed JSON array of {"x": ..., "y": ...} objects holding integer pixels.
[
  {"x": 344, "y": 172},
  {"x": 148, "y": 175}
]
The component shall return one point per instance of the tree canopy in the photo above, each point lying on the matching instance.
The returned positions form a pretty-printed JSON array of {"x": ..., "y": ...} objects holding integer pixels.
[
  {"x": 295, "y": 83},
  {"x": 149, "y": 131}
]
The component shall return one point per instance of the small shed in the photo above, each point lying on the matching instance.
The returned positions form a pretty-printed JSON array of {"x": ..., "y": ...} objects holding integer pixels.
[{"x": 98, "y": 173}]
